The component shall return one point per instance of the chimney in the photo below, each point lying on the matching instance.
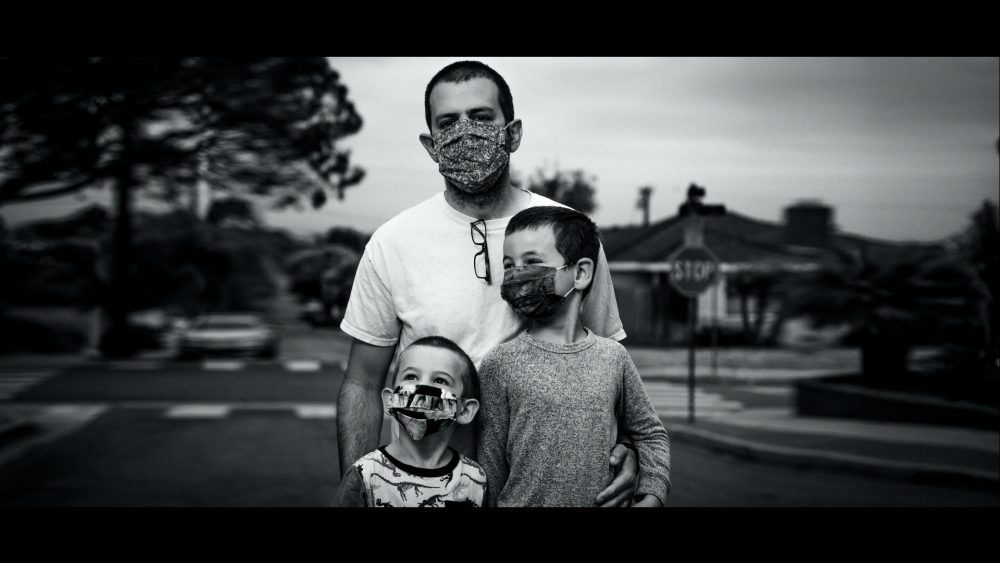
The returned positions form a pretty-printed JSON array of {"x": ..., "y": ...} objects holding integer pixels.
[{"x": 809, "y": 223}]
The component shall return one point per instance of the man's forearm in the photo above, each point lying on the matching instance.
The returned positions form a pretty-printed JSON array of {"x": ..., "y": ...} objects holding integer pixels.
[{"x": 359, "y": 422}]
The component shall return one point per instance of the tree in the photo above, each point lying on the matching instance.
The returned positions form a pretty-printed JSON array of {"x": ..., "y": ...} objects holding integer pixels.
[
  {"x": 979, "y": 246},
  {"x": 759, "y": 285},
  {"x": 573, "y": 188},
  {"x": 233, "y": 212},
  {"x": 889, "y": 301},
  {"x": 325, "y": 274},
  {"x": 346, "y": 236},
  {"x": 261, "y": 126}
]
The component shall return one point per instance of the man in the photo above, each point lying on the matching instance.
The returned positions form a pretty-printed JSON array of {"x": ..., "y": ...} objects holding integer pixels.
[{"x": 436, "y": 267}]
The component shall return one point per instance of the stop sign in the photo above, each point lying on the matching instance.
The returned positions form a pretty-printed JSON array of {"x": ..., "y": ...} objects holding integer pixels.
[{"x": 693, "y": 269}]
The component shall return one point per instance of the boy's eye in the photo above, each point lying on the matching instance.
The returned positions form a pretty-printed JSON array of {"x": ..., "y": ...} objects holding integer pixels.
[
  {"x": 409, "y": 376},
  {"x": 441, "y": 381}
]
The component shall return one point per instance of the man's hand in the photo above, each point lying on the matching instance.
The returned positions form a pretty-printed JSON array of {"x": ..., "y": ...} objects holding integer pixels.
[
  {"x": 647, "y": 501},
  {"x": 626, "y": 480}
]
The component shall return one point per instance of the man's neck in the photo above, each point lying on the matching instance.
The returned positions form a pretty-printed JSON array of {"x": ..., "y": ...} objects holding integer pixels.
[
  {"x": 512, "y": 200},
  {"x": 430, "y": 452},
  {"x": 564, "y": 326}
]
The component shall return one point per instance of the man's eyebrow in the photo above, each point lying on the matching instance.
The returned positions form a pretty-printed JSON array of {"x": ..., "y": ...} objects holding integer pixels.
[{"x": 472, "y": 110}]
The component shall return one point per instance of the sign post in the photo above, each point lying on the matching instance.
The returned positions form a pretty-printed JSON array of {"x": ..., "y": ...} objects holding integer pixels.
[{"x": 693, "y": 268}]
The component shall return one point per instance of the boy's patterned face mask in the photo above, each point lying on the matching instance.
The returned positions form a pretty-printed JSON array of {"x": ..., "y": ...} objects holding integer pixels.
[
  {"x": 422, "y": 409},
  {"x": 471, "y": 154},
  {"x": 531, "y": 290}
]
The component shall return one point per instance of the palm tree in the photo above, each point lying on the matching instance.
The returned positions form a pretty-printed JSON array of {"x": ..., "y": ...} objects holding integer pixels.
[{"x": 889, "y": 301}]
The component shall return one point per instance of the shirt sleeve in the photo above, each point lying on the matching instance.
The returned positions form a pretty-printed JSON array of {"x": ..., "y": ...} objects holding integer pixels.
[
  {"x": 494, "y": 417},
  {"x": 371, "y": 313},
  {"x": 642, "y": 424},
  {"x": 600, "y": 308},
  {"x": 351, "y": 492}
]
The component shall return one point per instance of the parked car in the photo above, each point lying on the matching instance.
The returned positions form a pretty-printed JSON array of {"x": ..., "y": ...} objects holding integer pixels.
[{"x": 228, "y": 334}]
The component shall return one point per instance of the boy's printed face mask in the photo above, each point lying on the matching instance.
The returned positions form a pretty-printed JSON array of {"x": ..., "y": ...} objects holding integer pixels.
[
  {"x": 531, "y": 290},
  {"x": 471, "y": 154},
  {"x": 422, "y": 409}
]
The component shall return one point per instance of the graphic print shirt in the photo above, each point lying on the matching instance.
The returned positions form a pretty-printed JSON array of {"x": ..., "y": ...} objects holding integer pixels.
[{"x": 380, "y": 480}]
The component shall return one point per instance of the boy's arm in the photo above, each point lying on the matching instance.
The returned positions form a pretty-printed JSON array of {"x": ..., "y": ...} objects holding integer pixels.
[
  {"x": 494, "y": 419},
  {"x": 359, "y": 406},
  {"x": 641, "y": 422},
  {"x": 351, "y": 492}
]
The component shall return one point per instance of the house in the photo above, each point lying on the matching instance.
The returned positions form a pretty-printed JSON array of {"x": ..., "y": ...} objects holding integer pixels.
[{"x": 654, "y": 313}]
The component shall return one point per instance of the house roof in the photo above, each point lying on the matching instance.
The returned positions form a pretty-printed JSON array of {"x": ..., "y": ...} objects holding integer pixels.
[{"x": 736, "y": 239}]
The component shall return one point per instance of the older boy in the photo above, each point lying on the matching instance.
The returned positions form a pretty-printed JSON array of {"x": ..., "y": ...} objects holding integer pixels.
[{"x": 557, "y": 397}]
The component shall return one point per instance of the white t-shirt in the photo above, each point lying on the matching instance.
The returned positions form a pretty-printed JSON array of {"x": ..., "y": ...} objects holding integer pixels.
[{"x": 416, "y": 279}]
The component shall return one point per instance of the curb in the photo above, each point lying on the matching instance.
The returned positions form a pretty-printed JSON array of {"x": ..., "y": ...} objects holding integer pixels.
[
  {"x": 917, "y": 472},
  {"x": 719, "y": 379}
]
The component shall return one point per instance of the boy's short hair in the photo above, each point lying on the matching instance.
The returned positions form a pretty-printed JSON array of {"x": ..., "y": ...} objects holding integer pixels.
[
  {"x": 470, "y": 378},
  {"x": 576, "y": 235}
]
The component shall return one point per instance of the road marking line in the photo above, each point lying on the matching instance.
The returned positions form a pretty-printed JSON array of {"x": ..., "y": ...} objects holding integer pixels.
[
  {"x": 198, "y": 411},
  {"x": 316, "y": 411},
  {"x": 302, "y": 365},
  {"x": 213, "y": 365},
  {"x": 140, "y": 365},
  {"x": 783, "y": 391}
]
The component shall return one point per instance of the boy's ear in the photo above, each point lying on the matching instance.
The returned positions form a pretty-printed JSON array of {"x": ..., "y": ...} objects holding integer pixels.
[
  {"x": 583, "y": 273},
  {"x": 386, "y": 393},
  {"x": 469, "y": 409}
]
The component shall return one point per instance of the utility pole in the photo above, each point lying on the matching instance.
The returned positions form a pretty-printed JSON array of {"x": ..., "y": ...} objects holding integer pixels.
[{"x": 644, "y": 193}]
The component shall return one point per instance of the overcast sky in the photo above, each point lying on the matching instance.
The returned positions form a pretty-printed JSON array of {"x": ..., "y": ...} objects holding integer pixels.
[{"x": 903, "y": 148}]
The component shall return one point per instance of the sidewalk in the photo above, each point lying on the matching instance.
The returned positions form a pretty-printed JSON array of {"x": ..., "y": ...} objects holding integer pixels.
[{"x": 767, "y": 428}]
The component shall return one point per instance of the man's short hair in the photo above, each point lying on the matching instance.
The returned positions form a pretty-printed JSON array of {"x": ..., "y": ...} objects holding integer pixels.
[
  {"x": 467, "y": 70},
  {"x": 470, "y": 378},
  {"x": 576, "y": 235}
]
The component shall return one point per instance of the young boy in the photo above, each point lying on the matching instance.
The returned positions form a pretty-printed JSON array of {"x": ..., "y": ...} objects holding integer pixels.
[
  {"x": 556, "y": 397},
  {"x": 436, "y": 387}
]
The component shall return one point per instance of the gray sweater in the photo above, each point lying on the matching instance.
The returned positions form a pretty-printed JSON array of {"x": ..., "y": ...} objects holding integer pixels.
[{"x": 550, "y": 415}]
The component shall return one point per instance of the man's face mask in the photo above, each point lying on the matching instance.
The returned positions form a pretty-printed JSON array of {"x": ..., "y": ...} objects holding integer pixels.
[
  {"x": 471, "y": 154},
  {"x": 422, "y": 409},
  {"x": 531, "y": 290}
]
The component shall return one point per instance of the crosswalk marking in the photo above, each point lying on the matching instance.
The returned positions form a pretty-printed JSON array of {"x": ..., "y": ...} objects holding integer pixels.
[
  {"x": 671, "y": 400},
  {"x": 198, "y": 411},
  {"x": 216, "y": 365},
  {"x": 316, "y": 411},
  {"x": 138, "y": 365},
  {"x": 302, "y": 365}
]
